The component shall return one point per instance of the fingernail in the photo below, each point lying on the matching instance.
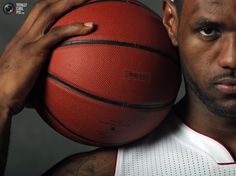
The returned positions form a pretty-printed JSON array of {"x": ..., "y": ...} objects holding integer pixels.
[{"x": 88, "y": 24}]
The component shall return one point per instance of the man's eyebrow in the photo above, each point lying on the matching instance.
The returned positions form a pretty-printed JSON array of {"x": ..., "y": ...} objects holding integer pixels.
[
  {"x": 216, "y": 2},
  {"x": 202, "y": 21}
]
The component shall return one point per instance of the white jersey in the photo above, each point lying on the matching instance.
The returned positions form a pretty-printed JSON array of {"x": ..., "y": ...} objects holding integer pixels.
[{"x": 175, "y": 149}]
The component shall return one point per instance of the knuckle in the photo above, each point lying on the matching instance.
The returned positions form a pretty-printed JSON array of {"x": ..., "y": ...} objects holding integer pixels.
[
  {"x": 40, "y": 4},
  {"x": 33, "y": 50},
  {"x": 51, "y": 13},
  {"x": 25, "y": 40},
  {"x": 26, "y": 48},
  {"x": 67, "y": 3},
  {"x": 20, "y": 44},
  {"x": 73, "y": 2},
  {"x": 53, "y": 10},
  {"x": 56, "y": 30},
  {"x": 82, "y": 1},
  {"x": 47, "y": 9}
]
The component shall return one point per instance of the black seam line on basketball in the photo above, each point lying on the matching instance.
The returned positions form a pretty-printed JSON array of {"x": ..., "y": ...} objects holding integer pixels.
[
  {"x": 159, "y": 106},
  {"x": 126, "y": 1},
  {"x": 118, "y": 43},
  {"x": 84, "y": 139}
]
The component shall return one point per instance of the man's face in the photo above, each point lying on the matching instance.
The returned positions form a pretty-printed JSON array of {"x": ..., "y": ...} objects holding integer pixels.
[{"x": 207, "y": 42}]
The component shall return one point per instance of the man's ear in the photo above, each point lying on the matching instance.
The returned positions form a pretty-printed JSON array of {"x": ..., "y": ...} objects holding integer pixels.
[{"x": 170, "y": 20}]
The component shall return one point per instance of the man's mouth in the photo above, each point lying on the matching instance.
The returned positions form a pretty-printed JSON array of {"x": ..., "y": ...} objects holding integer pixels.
[{"x": 227, "y": 85}]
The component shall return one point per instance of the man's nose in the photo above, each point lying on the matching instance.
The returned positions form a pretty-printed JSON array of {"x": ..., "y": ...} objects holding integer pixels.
[{"x": 227, "y": 56}]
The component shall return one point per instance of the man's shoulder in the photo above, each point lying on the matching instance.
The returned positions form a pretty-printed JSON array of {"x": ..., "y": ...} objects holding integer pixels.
[{"x": 98, "y": 162}]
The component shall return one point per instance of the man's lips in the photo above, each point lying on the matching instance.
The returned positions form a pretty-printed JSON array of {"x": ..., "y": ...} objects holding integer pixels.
[{"x": 226, "y": 85}]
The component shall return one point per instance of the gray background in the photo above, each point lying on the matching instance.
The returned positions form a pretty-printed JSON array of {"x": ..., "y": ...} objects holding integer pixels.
[{"x": 34, "y": 146}]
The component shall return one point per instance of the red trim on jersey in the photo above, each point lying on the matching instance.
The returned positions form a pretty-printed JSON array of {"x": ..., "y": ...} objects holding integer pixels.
[
  {"x": 115, "y": 162},
  {"x": 231, "y": 153}
]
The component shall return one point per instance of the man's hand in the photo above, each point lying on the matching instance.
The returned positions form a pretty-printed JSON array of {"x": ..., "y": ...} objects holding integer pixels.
[{"x": 23, "y": 57}]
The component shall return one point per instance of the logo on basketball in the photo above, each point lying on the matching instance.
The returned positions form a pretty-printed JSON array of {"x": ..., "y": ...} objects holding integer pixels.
[{"x": 129, "y": 74}]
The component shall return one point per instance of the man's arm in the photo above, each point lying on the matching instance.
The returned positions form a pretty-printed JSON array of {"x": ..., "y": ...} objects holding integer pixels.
[
  {"x": 5, "y": 123},
  {"x": 23, "y": 58},
  {"x": 101, "y": 162}
]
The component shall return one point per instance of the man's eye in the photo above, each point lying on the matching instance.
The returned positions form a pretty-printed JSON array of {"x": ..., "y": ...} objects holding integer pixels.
[{"x": 209, "y": 32}]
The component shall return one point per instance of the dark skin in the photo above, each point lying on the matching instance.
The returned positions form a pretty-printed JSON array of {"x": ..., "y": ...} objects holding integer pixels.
[
  {"x": 23, "y": 57},
  {"x": 100, "y": 162},
  {"x": 204, "y": 31}
]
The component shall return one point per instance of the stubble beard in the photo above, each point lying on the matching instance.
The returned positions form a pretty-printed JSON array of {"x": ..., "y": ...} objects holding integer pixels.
[{"x": 206, "y": 99}]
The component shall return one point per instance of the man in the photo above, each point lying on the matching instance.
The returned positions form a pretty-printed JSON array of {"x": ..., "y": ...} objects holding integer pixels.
[{"x": 199, "y": 135}]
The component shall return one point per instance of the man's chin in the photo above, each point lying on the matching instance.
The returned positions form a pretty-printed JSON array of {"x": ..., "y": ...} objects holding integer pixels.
[{"x": 224, "y": 111}]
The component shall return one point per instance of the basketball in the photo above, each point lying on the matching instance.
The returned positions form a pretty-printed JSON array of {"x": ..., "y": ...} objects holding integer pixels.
[{"x": 115, "y": 85}]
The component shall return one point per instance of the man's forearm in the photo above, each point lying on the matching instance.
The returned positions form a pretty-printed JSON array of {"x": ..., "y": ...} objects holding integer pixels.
[{"x": 5, "y": 124}]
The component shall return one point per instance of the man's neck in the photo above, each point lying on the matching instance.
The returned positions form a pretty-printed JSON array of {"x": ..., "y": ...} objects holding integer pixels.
[{"x": 196, "y": 115}]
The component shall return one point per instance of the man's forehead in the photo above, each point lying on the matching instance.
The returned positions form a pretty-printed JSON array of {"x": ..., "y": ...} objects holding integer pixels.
[
  {"x": 217, "y": 11},
  {"x": 210, "y": 6}
]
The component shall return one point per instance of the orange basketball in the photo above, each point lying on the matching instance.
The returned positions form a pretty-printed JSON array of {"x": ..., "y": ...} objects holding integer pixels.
[{"x": 115, "y": 85}]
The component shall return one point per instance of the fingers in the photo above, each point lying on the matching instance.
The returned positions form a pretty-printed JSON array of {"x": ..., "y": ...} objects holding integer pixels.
[
  {"x": 36, "y": 40},
  {"x": 38, "y": 8},
  {"x": 23, "y": 57},
  {"x": 34, "y": 25},
  {"x": 49, "y": 15},
  {"x": 61, "y": 33}
]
